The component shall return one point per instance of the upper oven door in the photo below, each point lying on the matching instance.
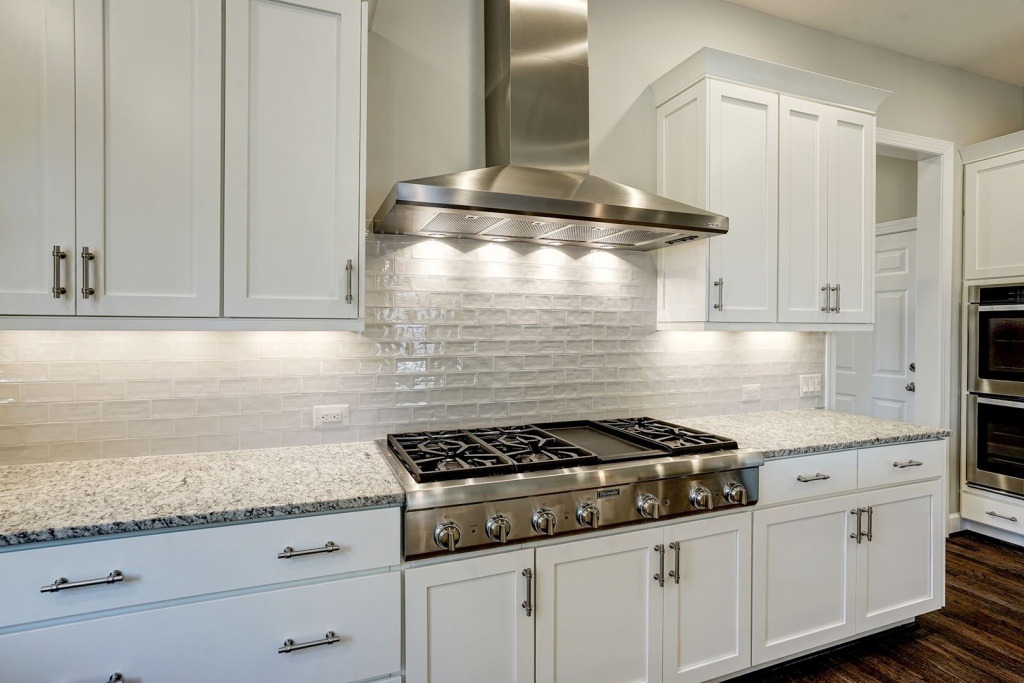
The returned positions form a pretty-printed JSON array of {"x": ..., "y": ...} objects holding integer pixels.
[
  {"x": 995, "y": 444},
  {"x": 996, "y": 349}
]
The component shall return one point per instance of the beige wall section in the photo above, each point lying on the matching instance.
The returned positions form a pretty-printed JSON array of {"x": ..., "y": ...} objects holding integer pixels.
[{"x": 896, "y": 189}]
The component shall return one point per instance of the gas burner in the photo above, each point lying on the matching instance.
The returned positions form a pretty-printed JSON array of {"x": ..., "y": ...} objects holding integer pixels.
[
  {"x": 680, "y": 439},
  {"x": 448, "y": 455},
  {"x": 534, "y": 448}
]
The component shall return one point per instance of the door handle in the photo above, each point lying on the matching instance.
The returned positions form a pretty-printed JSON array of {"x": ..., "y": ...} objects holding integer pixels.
[
  {"x": 911, "y": 386},
  {"x": 720, "y": 283}
]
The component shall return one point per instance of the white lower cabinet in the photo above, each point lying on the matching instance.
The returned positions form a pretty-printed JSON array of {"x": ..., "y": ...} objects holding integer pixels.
[
  {"x": 466, "y": 621},
  {"x": 707, "y": 599},
  {"x": 829, "y": 569},
  {"x": 599, "y": 610},
  {"x": 230, "y": 639}
]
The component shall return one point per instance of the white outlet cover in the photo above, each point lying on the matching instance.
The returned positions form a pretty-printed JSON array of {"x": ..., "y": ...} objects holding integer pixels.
[
  {"x": 810, "y": 385},
  {"x": 331, "y": 416}
]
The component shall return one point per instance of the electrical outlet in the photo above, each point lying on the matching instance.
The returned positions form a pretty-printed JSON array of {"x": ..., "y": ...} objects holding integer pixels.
[
  {"x": 810, "y": 385},
  {"x": 330, "y": 417},
  {"x": 751, "y": 392}
]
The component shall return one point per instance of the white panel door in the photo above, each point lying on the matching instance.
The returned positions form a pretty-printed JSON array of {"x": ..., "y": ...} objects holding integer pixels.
[
  {"x": 293, "y": 210},
  {"x": 803, "y": 210},
  {"x": 901, "y": 563},
  {"x": 148, "y": 79},
  {"x": 873, "y": 368},
  {"x": 994, "y": 217},
  {"x": 707, "y": 598},
  {"x": 599, "y": 610},
  {"x": 465, "y": 621},
  {"x": 851, "y": 215},
  {"x": 743, "y": 144},
  {"x": 37, "y": 156},
  {"x": 804, "y": 577}
]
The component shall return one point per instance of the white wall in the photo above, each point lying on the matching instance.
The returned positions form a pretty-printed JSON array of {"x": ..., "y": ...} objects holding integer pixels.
[{"x": 895, "y": 189}]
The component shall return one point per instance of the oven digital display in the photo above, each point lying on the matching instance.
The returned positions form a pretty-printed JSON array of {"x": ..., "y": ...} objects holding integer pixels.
[{"x": 1013, "y": 294}]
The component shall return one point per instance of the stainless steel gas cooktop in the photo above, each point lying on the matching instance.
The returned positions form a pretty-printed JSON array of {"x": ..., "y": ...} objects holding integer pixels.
[{"x": 471, "y": 489}]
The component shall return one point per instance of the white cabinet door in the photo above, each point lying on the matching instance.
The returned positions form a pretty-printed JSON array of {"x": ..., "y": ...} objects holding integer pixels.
[
  {"x": 901, "y": 561},
  {"x": 851, "y": 215},
  {"x": 804, "y": 581},
  {"x": 803, "y": 210},
  {"x": 599, "y": 610},
  {"x": 707, "y": 598},
  {"x": 994, "y": 217},
  {"x": 293, "y": 208},
  {"x": 743, "y": 162},
  {"x": 226, "y": 639},
  {"x": 37, "y": 156},
  {"x": 148, "y": 94},
  {"x": 465, "y": 621}
]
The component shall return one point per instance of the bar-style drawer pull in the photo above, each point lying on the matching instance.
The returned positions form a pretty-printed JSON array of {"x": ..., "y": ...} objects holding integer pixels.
[
  {"x": 289, "y": 552},
  {"x": 330, "y": 638},
  {"x": 58, "y": 255},
  {"x": 87, "y": 256},
  {"x": 996, "y": 514},
  {"x": 817, "y": 477},
  {"x": 348, "y": 281},
  {"x": 528, "y": 602},
  {"x": 62, "y": 584},
  {"x": 909, "y": 463}
]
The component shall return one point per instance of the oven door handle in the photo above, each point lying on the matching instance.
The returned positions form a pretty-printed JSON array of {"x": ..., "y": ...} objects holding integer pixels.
[
  {"x": 1000, "y": 308},
  {"x": 1000, "y": 402}
]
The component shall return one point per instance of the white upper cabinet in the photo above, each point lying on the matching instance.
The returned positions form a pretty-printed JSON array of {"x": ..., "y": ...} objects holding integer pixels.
[
  {"x": 37, "y": 157},
  {"x": 148, "y": 157},
  {"x": 293, "y": 195},
  {"x": 994, "y": 208},
  {"x": 788, "y": 157}
]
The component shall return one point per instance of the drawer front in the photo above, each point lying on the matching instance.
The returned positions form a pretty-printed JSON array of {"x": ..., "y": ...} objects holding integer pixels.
[
  {"x": 179, "y": 564},
  {"x": 997, "y": 513},
  {"x": 231, "y": 639},
  {"x": 808, "y": 476},
  {"x": 900, "y": 463}
]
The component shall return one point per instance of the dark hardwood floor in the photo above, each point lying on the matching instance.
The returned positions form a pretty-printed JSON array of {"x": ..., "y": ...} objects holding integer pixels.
[{"x": 978, "y": 636}]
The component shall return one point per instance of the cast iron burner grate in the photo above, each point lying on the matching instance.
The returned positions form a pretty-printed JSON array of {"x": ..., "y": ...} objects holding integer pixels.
[
  {"x": 680, "y": 439},
  {"x": 432, "y": 456},
  {"x": 532, "y": 447}
]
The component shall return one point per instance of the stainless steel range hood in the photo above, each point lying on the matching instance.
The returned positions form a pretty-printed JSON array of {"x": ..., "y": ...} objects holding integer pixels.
[{"x": 537, "y": 187}]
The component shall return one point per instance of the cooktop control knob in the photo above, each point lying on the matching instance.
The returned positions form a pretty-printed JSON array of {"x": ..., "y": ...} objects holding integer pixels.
[
  {"x": 700, "y": 498},
  {"x": 647, "y": 506},
  {"x": 588, "y": 515},
  {"x": 447, "y": 535},
  {"x": 544, "y": 522},
  {"x": 735, "y": 493},
  {"x": 498, "y": 528}
]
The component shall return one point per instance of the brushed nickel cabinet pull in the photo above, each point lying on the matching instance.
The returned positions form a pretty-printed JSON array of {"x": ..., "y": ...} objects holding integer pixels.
[
  {"x": 675, "y": 547},
  {"x": 58, "y": 255},
  {"x": 909, "y": 463},
  {"x": 62, "y": 584},
  {"x": 858, "y": 534},
  {"x": 837, "y": 290},
  {"x": 720, "y": 283},
  {"x": 870, "y": 511},
  {"x": 528, "y": 602},
  {"x": 818, "y": 476},
  {"x": 330, "y": 638},
  {"x": 87, "y": 256},
  {"x": 290, "y": 552},
  {"x": 348, "y": 276},
  {"x": 996, "y": 514},
  {"x": 660, "y": 576},
  {"x": 828, "y": 298}
]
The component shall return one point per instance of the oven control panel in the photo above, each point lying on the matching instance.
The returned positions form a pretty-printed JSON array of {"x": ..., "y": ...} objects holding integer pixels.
[{"x": 1001, "y": 294}]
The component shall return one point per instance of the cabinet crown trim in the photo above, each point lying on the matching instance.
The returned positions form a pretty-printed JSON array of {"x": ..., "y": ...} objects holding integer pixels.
[
  {"x": 709, "y": 62},
  {"x": 992, "y": 148}
]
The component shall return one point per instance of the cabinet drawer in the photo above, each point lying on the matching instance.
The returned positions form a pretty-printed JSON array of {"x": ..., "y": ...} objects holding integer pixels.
[
  {"x": 179, "y": 564},
  {"x": 997, "y": 513},
  {"x": 808, "y": 476},
  {"x": 231, "y": 639},
  {"x": 900, "y": 463}
]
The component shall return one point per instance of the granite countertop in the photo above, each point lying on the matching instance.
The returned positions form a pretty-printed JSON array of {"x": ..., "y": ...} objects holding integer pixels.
[
  {"x": 799, "y": 432},
  {"x": 58, "y": 501}
]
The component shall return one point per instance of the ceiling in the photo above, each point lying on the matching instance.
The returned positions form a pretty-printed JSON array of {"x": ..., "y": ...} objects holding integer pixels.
[{"x": 983, "y": 37}]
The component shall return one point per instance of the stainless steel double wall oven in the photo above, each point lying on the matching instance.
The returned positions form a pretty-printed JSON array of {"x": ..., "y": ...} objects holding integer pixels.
[{"x": 995, "y": 385}]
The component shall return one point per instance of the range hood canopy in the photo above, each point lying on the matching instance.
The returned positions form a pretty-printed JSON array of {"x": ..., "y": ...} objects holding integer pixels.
[{"x": 537, "y": 187}]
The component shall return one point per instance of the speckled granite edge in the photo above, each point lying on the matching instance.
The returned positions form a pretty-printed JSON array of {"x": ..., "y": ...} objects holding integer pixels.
[
  {"x": 850, "y": 445},
  {"x": 86, "y": 499}
]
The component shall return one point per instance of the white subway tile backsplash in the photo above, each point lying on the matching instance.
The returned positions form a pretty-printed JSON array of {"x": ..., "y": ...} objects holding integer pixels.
[{"x": 457, "y": 334}]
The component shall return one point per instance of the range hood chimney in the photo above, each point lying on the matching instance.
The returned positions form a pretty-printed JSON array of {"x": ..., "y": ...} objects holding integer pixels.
[{"x": 537, "y": 187}]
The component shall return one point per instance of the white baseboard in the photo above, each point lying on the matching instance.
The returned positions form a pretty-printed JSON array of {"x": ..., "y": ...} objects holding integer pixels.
[
  {"x": 954, "y": 524},
  {"x": 993, "y": 532}
]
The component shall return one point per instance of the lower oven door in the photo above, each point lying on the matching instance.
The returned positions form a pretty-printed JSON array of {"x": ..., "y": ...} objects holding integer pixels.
[{"x": 995, "y": 443}]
